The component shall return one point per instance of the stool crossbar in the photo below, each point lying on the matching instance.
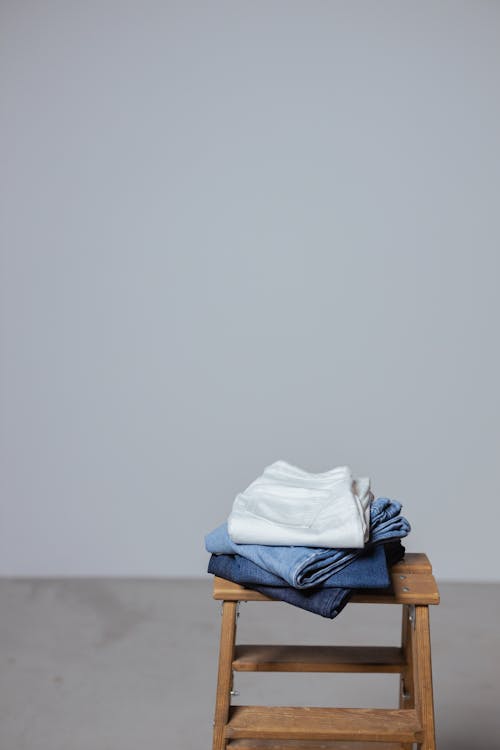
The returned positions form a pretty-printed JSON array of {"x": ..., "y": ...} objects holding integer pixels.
[{"x": 310, "y": 728}]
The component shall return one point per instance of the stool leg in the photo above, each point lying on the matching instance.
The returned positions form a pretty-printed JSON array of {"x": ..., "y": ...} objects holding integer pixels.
[
  {"x": 225, "y": 674},
  {"x": 406, "y": 681},
  {"x": 423, "y": 673}
]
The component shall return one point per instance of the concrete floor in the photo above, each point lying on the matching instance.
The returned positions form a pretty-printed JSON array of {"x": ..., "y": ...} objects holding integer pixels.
[{"x": 122, "y": 665}]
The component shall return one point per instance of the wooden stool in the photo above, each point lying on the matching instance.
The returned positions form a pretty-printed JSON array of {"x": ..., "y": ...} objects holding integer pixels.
[{"x": 304, "y": 728}]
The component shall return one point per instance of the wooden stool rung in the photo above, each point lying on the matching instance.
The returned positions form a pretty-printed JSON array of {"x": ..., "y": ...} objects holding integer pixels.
[
  {"x": 255, "y": 744},
  {"x": 286, "y": 658},
  {"x": 298, "y": 722}
]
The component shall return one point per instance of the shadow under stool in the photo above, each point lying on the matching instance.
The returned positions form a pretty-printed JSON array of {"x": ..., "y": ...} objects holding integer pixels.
[{"x": 309, "y": 728}]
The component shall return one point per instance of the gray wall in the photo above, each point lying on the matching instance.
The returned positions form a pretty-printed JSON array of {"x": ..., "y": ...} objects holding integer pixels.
[{"x": 234, "y": 232}]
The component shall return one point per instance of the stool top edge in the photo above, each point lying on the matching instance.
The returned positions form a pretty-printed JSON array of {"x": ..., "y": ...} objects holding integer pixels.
[{"x": 419, "y": 587}]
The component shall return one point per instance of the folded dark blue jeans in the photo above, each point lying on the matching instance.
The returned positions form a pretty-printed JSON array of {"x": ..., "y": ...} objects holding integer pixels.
[
  {"x": 304, "y": 567},
  {"x": 367, "y": 571},
  {"x": 327, "y": 601}
]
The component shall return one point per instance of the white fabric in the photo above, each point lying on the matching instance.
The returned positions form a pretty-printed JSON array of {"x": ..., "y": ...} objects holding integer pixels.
[{"x": 289, "y": 506}]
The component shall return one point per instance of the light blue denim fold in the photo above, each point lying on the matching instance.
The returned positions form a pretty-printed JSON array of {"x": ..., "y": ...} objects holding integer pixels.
[{"x": 304, "y": 567}]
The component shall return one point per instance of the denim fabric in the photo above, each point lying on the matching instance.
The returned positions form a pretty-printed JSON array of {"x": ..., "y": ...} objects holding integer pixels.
[
  {"x": 289, "y": 506},
  {"x": 321, "y": 600},
  {"x": 304, "y": 567},
  {"x": 367, "y": 571}
]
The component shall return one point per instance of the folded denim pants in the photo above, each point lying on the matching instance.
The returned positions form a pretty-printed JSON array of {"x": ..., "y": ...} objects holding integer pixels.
[
  {"x": 369, "y": 571},
  {"x": 327, "y": 601},
  {"x": 303, "y": 567},
  {"x": 289, "y": 506}
]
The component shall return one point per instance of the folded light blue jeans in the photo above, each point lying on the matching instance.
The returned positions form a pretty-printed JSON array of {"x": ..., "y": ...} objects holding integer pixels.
[{"x": 304, "y": 567}]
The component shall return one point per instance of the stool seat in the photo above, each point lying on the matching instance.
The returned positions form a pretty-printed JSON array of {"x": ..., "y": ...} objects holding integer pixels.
[
  {"x": 322, "y": 728},
  {"x": 412, "y": 582}
]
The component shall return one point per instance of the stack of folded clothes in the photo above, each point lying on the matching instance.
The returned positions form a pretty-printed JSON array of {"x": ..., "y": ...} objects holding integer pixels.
[{"x": 308, "y": 539}]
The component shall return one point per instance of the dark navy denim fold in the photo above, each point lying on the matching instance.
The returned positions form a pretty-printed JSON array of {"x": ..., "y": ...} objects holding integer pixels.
[
  {"x": 305, "y": 567},
  {"x": 326, "y": 601}
]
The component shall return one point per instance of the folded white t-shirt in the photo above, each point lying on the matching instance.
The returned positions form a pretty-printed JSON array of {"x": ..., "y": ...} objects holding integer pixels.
[{"x": 289, "y": 506}]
